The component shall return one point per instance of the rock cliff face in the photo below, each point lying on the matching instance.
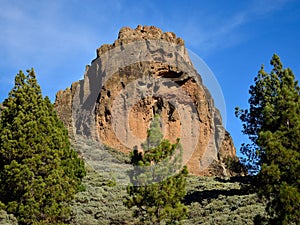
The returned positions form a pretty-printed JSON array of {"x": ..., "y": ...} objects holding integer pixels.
[{"x": 143, "y": 73}]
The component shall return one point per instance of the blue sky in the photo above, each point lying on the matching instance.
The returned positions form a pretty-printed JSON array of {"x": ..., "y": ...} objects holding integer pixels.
[{"x": 59, "y": 37}]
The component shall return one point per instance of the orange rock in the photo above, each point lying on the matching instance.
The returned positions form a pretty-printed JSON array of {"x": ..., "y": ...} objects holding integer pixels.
[{"x": 146, "y": 72}]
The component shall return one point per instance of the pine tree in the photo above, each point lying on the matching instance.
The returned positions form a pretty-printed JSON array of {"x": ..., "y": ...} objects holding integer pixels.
[
  {"x": 158, "y": 181},
  {"x": 273, "y": 125},
  {"x": 39, "y": 172}
]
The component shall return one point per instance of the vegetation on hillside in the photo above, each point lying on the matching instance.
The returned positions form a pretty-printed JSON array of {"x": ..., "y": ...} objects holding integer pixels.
[
  {"x": 39, "y": 172},
  {"x": 272, "y": 123},
  {"x": 41, "y": 175},
  {"x": 158, "y": 184},
  {"x": 210, "y": 201}
]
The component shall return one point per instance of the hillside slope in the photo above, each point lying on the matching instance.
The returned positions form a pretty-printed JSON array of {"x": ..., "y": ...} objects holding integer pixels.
[{"x": 211, "y": 200}]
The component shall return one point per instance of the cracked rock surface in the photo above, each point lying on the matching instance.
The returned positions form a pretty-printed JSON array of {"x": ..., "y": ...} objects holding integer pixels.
[{"x": 143, "y": 73}]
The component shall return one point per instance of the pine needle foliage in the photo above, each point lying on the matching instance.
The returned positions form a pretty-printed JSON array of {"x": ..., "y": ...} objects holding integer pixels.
[
  {"x": 39, "y": 172},
  {"x": 273, "y": 125},
  {"x": 158, "y": 182}
]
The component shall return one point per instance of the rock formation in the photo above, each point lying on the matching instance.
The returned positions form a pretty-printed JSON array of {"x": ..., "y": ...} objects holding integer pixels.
[{"x": 146, "y": 72}]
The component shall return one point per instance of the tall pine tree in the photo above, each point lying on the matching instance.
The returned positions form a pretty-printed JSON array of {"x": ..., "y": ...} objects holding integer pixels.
[
  {"x": 273, "y": 125},
  {"x": 39, "y": 172},
  {"x": 158, "y": 181}
]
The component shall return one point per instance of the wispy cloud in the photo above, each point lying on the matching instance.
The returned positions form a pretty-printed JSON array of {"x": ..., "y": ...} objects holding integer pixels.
[
  {"x": 38, "y": 29},
  {"x": 62, "y": 35},
  {"x": 223, "y": 30},
  {"x": 53, "y": 27},
  {"x": 46, "y": 35}
]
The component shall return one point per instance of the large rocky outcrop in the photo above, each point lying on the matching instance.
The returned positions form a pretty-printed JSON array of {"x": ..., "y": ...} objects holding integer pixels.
[{"x": 146, "y": 72}]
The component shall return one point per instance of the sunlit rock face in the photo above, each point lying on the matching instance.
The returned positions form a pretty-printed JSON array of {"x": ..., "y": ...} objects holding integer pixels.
[{"x": 143, "y": 73}]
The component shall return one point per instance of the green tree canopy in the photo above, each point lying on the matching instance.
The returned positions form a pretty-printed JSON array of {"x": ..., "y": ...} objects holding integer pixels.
[
  {"x": 39, "y": 172},
  {"x": 273, "y": 125},
  {"x": 158, "y": 180}
]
